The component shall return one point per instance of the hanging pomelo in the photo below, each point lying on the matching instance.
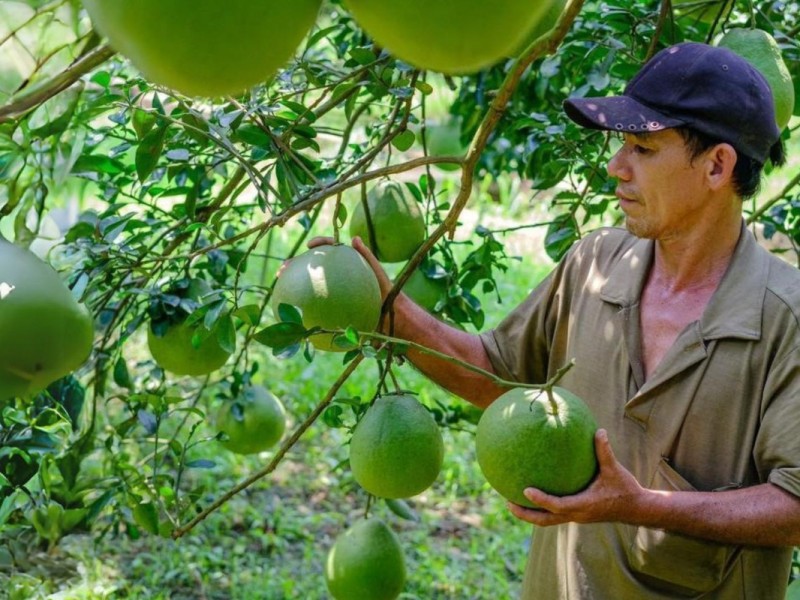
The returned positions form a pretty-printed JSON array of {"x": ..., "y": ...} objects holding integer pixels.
[
  {"x": 334, "y": 288},
  {"x": 450, "y": 37},
  {"x": 397, "y": 448},
  {"x": 366, "y": 563},
  {"x": 398, "y": 225},
  {"x": 205, "y": 47},
  {"x": 44, "y": 333},
  {"x": 253, "y": 422},
  {"x": 761, "y": 50}
]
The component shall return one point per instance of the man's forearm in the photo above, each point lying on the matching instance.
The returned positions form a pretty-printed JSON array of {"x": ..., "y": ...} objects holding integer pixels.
[
  {"x": 410, "y": 322},
  {"x": 762, "y": 515}
]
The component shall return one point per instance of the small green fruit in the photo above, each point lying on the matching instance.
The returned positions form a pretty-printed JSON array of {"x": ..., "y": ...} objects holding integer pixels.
[
  {"x": 761, "y": 50},
  {"x": 366, "y": 563},
  {"x": 334, "y": 288},
  {"x": 445, "y": 36},
  {"x": 175, "y": 352},
  {"x": 397, "y": 223},
  {"x": 444, "y": 139},
  {"x": 44, "y": 333},
  {"x": 527, "y": 438},
  {"x": 425, "y": 291},
  {"x": 397, "y": 449},
  {"x": 205, "y": 47},
  {"x": 253, "y": 422}
]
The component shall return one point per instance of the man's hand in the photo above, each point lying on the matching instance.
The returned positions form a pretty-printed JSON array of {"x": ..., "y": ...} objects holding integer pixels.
[{"x": 614, "y": 495}]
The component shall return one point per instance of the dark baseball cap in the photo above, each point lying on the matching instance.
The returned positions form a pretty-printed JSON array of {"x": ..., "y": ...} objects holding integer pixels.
[{"x": 707, "y": 88}]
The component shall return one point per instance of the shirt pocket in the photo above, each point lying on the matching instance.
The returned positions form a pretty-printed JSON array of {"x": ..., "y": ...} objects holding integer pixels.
[{"x": 675, "y": 563}]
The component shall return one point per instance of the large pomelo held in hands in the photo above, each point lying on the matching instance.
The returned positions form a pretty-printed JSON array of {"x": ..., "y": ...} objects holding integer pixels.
[
  {"x": 397, "y": 223},
  {"x": 334, "y": 288},
  {"x": 761, "y": 50},
  {"x": 253, "y": 422},
  {"x": 529, "y": 438},
  {"x": 205, "y": 47},
  {"x": 366, "y": 563},
  {"x": 450, "y": 37},
  {"x": 397, "y": 448},
  {"x": 44, "y": 333}
]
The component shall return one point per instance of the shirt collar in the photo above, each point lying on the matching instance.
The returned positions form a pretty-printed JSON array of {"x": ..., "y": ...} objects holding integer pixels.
[{"x": 734, "y": 310}]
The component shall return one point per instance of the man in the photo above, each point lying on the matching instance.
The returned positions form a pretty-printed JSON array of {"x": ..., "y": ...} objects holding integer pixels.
[{"x": 686, "y": 341}]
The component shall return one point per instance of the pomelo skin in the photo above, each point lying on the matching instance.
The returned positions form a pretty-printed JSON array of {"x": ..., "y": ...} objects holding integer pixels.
[
  {"x": 425, "y": 291},
  {"x": 397, "y": 449},
  {"x": 45, "y": 333},
  {"x": 334, "y": 288},
  {"x": 366, "y": 563},
  {"x": 761, "y": 50},
  {"x": 254, "y": 421},
  {"x": 527, "y": 439},
  {"x": 205, "y": 47},
  {"x": 175, "y": 352},
  {"x": 449, "y": 36},
  {"x": 397, "y": 222}
]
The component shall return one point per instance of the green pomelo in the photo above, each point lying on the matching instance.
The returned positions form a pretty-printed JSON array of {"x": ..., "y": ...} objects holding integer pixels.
[
  {"x": 253, "y": 422},
  {"x": 450, "y": 37},
  {"x": 529, "y": 439},
  {"x": 397, "y": 448},
  {"x": 425, "y": 291},
  {"x": 444, "y": 139},
  {"x": 205, "y": 47},
  {"x": 334, "y": 288},
  {"x": 761, "y": 50},
  {"x": 366, "y": 563},
  {"x": 397, "y": 223},
  {"x": 175, "y": 352},
  {"x": 544, "y": 26},
  {"x": 44, "y": 333},
  {"x": 793, "y": 591},
  {"x": 698, "y": 10}
]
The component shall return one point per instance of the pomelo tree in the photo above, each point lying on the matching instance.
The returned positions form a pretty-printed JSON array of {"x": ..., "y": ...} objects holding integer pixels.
[{"x": 131, "y": 190}]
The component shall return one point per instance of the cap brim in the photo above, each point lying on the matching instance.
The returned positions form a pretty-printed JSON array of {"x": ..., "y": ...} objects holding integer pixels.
[{"x": 617, "y": 113}]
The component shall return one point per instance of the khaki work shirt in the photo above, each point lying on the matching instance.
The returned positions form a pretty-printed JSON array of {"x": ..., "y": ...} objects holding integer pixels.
[{"x": 721, "y": 411}]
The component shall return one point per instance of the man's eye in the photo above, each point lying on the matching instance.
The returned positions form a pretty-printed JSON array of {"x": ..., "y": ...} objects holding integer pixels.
[{"x": 640, "y": 149}]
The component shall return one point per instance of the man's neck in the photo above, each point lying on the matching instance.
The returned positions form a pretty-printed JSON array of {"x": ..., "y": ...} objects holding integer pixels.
[{"x": 695, "y": 261}]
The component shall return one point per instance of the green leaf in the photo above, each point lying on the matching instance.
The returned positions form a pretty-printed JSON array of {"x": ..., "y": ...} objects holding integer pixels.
[
  {"x": 142, "y": 122},
  {"x": 148, "y": 152},
  {"x": 249, "y": 314},
  {"x": 226, "y": 334},
  {"x": 281, "y": 335},
  {"x": 146, "y": 516},
  {"x": 404, "y": 141},
  {"x": 402, "y": 509},
  {"x": 351, "y": 335},
  {"x": 332, "y": 416},
  {"x": 121, "y": 376},
  {"x": 289, "y": 314}
]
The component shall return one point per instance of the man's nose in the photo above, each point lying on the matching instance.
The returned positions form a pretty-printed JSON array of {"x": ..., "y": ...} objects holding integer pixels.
[{"x": 618, "y": 167}]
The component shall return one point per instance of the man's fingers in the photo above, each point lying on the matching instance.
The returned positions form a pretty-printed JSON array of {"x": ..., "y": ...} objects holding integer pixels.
[
  {"x": 602, "y": 447},
  {"x": 320, "y": 241}
]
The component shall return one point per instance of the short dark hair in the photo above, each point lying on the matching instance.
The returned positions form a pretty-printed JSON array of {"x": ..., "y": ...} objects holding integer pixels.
[{"x": 746, "y": 172}]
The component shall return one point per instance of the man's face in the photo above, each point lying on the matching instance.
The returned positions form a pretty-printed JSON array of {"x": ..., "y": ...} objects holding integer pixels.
[{"x": 660, "y": 190}]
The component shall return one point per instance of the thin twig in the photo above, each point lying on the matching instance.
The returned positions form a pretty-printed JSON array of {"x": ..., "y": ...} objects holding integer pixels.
[{"x": 279, "y": 454}]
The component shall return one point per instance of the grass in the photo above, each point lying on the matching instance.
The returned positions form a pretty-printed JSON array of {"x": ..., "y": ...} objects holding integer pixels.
[{"x": 270, "y": 541}]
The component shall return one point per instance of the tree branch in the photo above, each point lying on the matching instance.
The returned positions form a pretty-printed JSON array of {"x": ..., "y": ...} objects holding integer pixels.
[{"x": 56, "y": 84}]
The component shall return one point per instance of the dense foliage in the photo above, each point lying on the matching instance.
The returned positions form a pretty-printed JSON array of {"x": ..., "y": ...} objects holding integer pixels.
[{"x": 134, "y": 193}]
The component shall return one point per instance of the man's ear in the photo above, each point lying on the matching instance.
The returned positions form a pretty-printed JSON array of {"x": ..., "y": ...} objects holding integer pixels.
[{"x": 720, "y": 161}]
